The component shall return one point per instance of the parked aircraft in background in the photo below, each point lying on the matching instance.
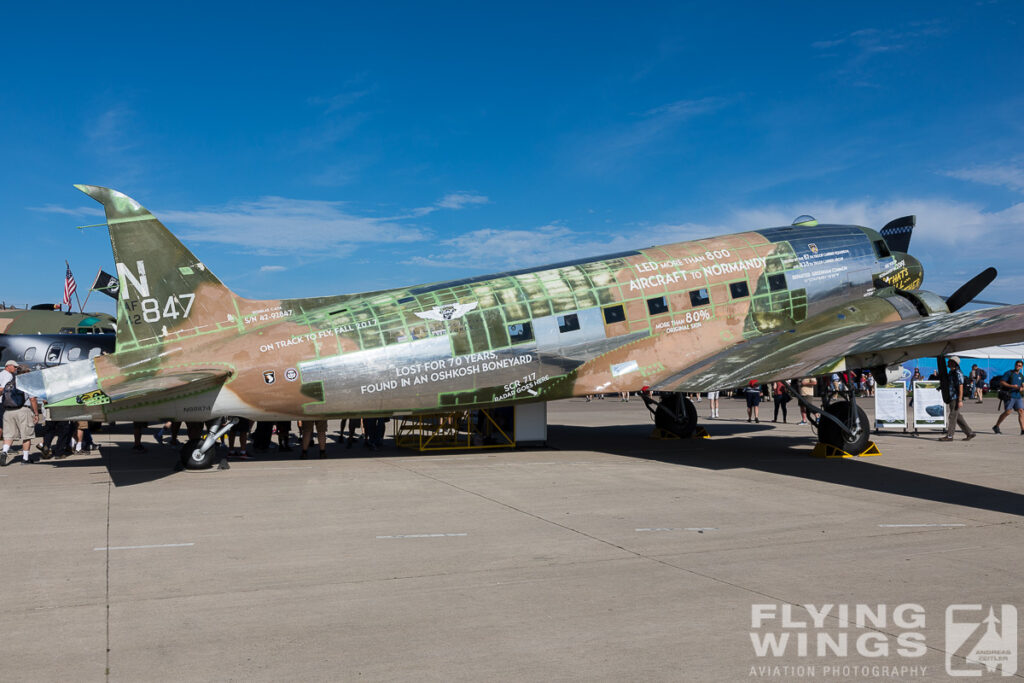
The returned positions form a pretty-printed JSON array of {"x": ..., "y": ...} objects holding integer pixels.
[
  {"x": 37, "y": 351},
  {"x": 804, "y": 299},
  {"x": 49, "y": 321}
]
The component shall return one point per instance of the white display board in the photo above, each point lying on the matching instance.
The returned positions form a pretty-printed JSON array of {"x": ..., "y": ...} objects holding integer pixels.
[
  {"x": 531, "y": 422},
  {"x": 929, "y": 408},
  {"x": 891, "y": 406}
]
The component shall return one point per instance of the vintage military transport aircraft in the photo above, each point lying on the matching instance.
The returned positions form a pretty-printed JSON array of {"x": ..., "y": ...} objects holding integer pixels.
[{"x": 794, "y": 301}]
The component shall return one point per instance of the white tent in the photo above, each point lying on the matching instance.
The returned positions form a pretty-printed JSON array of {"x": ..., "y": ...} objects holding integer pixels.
[{"x": 1002, "y": 351}]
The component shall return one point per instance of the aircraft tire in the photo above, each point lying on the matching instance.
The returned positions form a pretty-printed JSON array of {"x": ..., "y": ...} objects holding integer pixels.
[
  {"x": 192, "y": 459},
  {"x": 831, "y": 434},
  {"x": 673, "y": 405}
]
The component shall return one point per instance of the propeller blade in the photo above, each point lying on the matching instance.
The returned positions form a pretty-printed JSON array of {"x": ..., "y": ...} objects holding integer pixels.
[{"x": 970, "y": 289}]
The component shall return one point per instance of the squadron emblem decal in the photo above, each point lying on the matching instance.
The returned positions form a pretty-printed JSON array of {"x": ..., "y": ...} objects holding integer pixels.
[
  {"x": 269, "y": 377},
  {"x": 291, "y": 374},
  {"x": 447, "y": 312},
  {"x": 813, "y": 247}
]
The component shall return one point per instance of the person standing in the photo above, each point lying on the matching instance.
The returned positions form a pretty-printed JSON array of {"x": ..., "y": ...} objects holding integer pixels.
[
  {"x": 21, "y": 414},
  {"x": 753, "y": 395},
  {"x": 240, "y": 430},
  {"x": 1012, "y": 382},
  {"x": 807, "y": 386},
  {"x": 978, "y": 382},
  {"x": 780, "y": 397},
  {"x": 955, "y": 406},
  {"x": 713, "y": 401},
  {"x": 306, "y": 430}
]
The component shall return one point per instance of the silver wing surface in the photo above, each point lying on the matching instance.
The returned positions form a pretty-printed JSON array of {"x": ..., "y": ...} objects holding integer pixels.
[{"x": 837, "y": 341}]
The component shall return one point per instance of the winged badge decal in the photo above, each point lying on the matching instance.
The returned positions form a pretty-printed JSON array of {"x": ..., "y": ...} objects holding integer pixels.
[{"x": 447, "y": 312}]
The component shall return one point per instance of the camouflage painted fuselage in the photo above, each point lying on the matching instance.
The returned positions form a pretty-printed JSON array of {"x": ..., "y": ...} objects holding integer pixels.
[{"x": 649, "y": 317}]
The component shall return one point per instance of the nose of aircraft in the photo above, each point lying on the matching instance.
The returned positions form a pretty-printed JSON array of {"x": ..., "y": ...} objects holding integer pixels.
[{"x": 906, "y": 273}]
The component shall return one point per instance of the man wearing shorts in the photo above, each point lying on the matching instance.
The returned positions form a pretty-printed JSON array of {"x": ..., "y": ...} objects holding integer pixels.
[
  {"x": 1011, "y": 382},
  {"x": 19, "y": 422}
]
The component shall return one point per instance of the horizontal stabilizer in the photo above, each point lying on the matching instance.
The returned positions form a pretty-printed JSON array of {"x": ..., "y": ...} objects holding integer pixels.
[
  {"x": 897, "y": 233},
  {"x": 129, "y": 393}
]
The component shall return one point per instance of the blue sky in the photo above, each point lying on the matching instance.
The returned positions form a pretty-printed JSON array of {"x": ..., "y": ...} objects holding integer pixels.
[{"x": 306, "y": 150}]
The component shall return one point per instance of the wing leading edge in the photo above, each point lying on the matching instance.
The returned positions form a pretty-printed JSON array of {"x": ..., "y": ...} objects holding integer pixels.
[{"x": 815, "y": 349}]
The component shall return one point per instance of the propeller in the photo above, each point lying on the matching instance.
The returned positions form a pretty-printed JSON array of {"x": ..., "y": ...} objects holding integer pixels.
[{"x": 970, "y": 289}]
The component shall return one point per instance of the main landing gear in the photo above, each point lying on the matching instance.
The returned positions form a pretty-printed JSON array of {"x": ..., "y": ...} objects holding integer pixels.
[
  {"x": 842, "y": 425},
  {"x": 673, "y": 413},
  {"x": 198, "y": 453}
]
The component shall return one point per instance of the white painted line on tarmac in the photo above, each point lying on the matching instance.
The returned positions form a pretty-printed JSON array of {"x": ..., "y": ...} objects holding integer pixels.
[
  {"x": 423, "y": 535},
  {"x": 142, "y": 547},
  {"x": 698, "y": 529},
  {"x": 295, "y": 467},
  {"x": 915, "y": 525},
  {"x": 950, "y": 550}
]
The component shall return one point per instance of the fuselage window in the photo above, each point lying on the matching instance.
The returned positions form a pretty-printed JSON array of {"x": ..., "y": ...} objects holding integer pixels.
[
  {"x": 568, "y": 323},
  {"x": 67, "y": 330},
  {"x": 881, "y": 249},
  {"x": 738, "y": 290},
  {"x": 699, "y": 297},
  {"x": 53, "y": 353},
  {"x": 614, "y": 314},
  {"x": 658, "y": 304},
  {"x": 74, "y": 353},
  {"x": 777, "y": 282},
  {"x": 95, "y": 351},
  {"x": 30, "y": 353},
  {"x": 520, "y": 332}
]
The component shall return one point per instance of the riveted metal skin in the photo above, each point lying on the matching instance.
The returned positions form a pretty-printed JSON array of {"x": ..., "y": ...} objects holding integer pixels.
[{"x": 691, "y": 316}]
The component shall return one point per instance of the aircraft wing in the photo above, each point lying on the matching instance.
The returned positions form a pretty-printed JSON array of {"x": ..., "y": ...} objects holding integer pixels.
[
  {"x": 127, "y": 393},
  {"x": 815, "y": 349}
]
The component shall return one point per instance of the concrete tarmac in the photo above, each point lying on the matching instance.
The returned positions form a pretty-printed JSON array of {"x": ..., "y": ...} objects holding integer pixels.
[{"x": 607, "y": 556}]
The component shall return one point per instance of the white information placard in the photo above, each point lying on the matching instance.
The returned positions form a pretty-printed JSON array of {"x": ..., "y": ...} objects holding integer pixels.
[
  {"x": 929, "y": 408},
  {"x": 891, "y": 406}
]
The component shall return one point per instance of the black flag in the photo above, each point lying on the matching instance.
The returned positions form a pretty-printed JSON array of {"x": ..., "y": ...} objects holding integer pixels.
[{"x": 107, "y": 284}]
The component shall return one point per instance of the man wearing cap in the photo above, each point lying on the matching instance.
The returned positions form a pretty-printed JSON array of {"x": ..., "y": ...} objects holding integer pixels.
[
  {"x": 19, "y": 421},
  {"x": 954, "y": 415},
  {"x": 1012, "y": 383}
]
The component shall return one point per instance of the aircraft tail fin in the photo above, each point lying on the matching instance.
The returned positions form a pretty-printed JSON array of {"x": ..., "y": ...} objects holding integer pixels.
[
  {"x": 165, "y": 291},
  {"x": 897, "y": 233}
]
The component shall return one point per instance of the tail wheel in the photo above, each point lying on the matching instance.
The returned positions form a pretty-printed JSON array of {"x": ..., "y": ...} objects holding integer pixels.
[
  {"x": 194, "y": 459},
  {"x": 830, "y": 433},
  {"x": 676, "y": 414}
]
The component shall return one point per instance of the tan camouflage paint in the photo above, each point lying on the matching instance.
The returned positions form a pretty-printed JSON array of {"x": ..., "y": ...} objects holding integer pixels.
[{"x": 347, "y": 353}]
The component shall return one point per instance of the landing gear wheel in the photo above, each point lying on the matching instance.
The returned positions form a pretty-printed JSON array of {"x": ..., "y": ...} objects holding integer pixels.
[
  {"x": 830, "y": 433},
  {"x": 676, "y": 414},
  {"x": 193, "y": 459}
]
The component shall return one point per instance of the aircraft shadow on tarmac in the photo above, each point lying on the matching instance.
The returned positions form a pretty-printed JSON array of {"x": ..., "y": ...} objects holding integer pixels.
[
  {"x": 784, "y": 455},
  {"x": 128, "y": 467}
]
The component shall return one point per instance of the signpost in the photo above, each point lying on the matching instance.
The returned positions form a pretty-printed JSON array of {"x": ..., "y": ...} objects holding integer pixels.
[
  {"x": 891, "y": 406},
  {"x": 929, "y": 408}
]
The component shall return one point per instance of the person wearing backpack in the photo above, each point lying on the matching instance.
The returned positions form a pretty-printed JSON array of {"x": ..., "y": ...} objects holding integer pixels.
[
  {"x": 21, "y": 414},
  {"x": 1011, "y": 383}
]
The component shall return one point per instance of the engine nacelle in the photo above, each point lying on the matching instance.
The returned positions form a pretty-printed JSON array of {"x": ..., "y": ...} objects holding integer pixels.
[
  {"x": 888, "y": 375},
  {"x": 926, "y": 303}
]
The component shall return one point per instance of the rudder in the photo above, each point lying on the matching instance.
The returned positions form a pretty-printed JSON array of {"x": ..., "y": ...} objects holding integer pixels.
[{"x": 165, "y": 291}]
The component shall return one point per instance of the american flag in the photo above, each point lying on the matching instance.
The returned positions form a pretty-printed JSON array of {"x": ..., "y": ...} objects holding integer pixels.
[{"x": 69, "y": 287}]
